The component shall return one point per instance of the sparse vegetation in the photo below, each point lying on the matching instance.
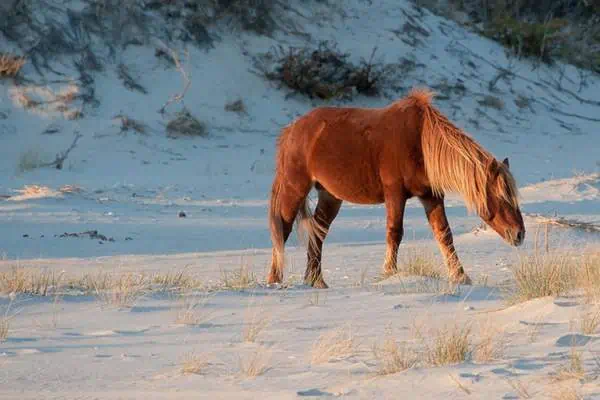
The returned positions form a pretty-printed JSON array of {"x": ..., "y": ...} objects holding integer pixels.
[
  {"x": 256, "y": 322},
  {"x": 572, "y": 369},
  {"x": 540, "y": 275},
  {"x": 193, "y": 363},
  {"x": 29, "y": 160},
  {"x": 186, "y": 125},
  {"x": 392, "y": 357},
  {"x": 239, "y": 279},
  {"x": 324, "y": 72},
  {"x": 449, "y": 345},
  {"x": 236, "y": 106},
  {"x": 256, "y": 363},
  {"x": 566, "y": 393},
  {"x": 4, "y": 327},
  {"x": 333, "y": 345},
  {"x": 10, "y": 65},
  {"x": 124, "y": 291},
  {"x": 192, "y": 311},
  {"x": 130, "y": 124},
  {"x": 420, "y": 261},
  {"x": 589, "y": 276},
  {"x": 545, "y": 30},
  {"x": 39, "y": 282},
  {"x": 590, "y": 321},
  {"x": 490, "y": 345}
]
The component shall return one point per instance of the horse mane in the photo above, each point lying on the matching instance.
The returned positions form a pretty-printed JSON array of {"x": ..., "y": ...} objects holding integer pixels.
[{"x": 455, "y": 162}]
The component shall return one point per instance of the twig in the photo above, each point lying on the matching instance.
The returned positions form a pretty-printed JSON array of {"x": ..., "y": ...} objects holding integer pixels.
[
  {"x": 61, "y": 157},
  {"x": 178, "y": 97},
  {"x": 566, "y": 222}
]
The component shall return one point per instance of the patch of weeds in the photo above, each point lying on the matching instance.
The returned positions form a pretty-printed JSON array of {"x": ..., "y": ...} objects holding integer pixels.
[
  {"x": 128, "y": 80},
  {"x": 531, "y": 39},
  {"x": 186, "y": 125},
  {"x": 392, "y": 357},
  {"x": 334, "y": 345},
  {"x": 256, "y": 364},
  {"x": 449, "y": 345},
  {"x": 323, "y": 73},
  {"x": 10, "y": 65},
  {"x": 193, "y": 363},
  {"x": 573, "y": 369},
  {"x": 19, "y": 280},
  {"x": 241, "y": 279},
  {"x": 590, "y": 321},
  {"x": 236, "y": 106},
  {"x": 420, "y": 261},
  {"x": 129, "y": 124},
  {"x": 29, "y": 160},
  {"x": 541, "y": 275},
  {"x": 492, "y": 102}
]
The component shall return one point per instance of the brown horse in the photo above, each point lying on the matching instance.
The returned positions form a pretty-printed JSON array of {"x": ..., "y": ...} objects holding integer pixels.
[{"x": 385, "y": 155}]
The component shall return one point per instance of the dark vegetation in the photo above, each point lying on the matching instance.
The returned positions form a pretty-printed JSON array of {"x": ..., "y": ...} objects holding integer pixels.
[
  {"x": 323, "y": 72},
  {"x": 545, "y": 30}
]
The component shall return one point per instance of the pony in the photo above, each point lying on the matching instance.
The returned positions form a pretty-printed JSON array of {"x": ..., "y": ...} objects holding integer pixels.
[{"x": 385, "y": 155}]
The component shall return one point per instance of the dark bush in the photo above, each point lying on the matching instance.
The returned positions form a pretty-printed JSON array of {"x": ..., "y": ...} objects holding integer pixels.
[{"x": 323, "y": 73}]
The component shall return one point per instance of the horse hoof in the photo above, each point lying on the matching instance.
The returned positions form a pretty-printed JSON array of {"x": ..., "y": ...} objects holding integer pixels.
[
  {"x": 273, "y": 279},
  {"x": 462, "y": 279},
  {"x": 320, "y": 284}
]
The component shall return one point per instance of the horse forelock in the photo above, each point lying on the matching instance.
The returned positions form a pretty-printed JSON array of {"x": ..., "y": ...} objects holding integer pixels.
[{"x": 455, "y": 162}]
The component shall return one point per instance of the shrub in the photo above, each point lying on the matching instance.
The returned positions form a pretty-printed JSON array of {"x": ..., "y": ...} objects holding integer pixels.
[
  {"x": 323, "y": 73},
  {"x": 10, "y": 65}
]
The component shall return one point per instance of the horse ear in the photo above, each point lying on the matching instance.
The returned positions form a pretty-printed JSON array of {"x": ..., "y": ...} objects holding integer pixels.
[{"x": 505, "y": 162}]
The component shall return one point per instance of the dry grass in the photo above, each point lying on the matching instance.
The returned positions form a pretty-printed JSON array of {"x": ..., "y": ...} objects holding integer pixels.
[
  {"x": 337, "y": 344},
  {"x": 573, "y": 369},
  {"x": 40, "y": 282},
  {"x": 256, "y": 363},
  {"x": 193, "y": 363},
  {"x": 239, "y": 279},
  {"x": 450, "y": 345},
  {"x": 566, "y": 393},
  {"x": 176, "y": 279},
  {"x": 256, "y": 322},
  {"x": 589, "y": 276},
  {"x": 521, "y": 388},
  {"x": 491, "y": 343},
  {"x": 192, "y": 311},
  {"x": 4, "y": 327},
  {"x": 392, "y": 357},
  {"x": 590, "y": 321},
  {"x": 123, "y": 291},
  {"x": 10, "y": 65},
  {"x": 420, "y": 261},
  {"x": 541, "y": 275}
]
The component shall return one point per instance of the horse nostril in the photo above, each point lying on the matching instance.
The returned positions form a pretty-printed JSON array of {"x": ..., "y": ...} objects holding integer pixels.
[{"x": 520, "y": 236}]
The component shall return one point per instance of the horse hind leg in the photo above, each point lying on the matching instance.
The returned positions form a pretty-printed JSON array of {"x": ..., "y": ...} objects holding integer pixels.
[
  {"x": 285, "y": 203},
  {"x": 327, "y": 209}
]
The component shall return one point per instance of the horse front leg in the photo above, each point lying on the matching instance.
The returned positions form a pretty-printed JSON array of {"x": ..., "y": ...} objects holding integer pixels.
[
  {"x": 395, "y": 202},
  {"x": 436, "y": 215}
]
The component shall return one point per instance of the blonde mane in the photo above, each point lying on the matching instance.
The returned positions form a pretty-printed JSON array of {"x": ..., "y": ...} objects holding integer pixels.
[{"x": 454, "y": 162}]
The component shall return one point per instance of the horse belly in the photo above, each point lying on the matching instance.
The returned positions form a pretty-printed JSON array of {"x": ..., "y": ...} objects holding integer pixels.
[{"x": 348, "y": 175}]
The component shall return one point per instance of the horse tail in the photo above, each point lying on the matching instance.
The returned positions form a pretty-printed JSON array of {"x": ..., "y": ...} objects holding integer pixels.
[
  {"x": 309, "y": 229},
  {"x": 275, "y": 219}
]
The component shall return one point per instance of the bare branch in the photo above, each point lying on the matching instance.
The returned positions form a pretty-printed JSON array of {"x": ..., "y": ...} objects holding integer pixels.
[
  {"x": 186, "y": 81},
  {"x": 62, "y": 156}
]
